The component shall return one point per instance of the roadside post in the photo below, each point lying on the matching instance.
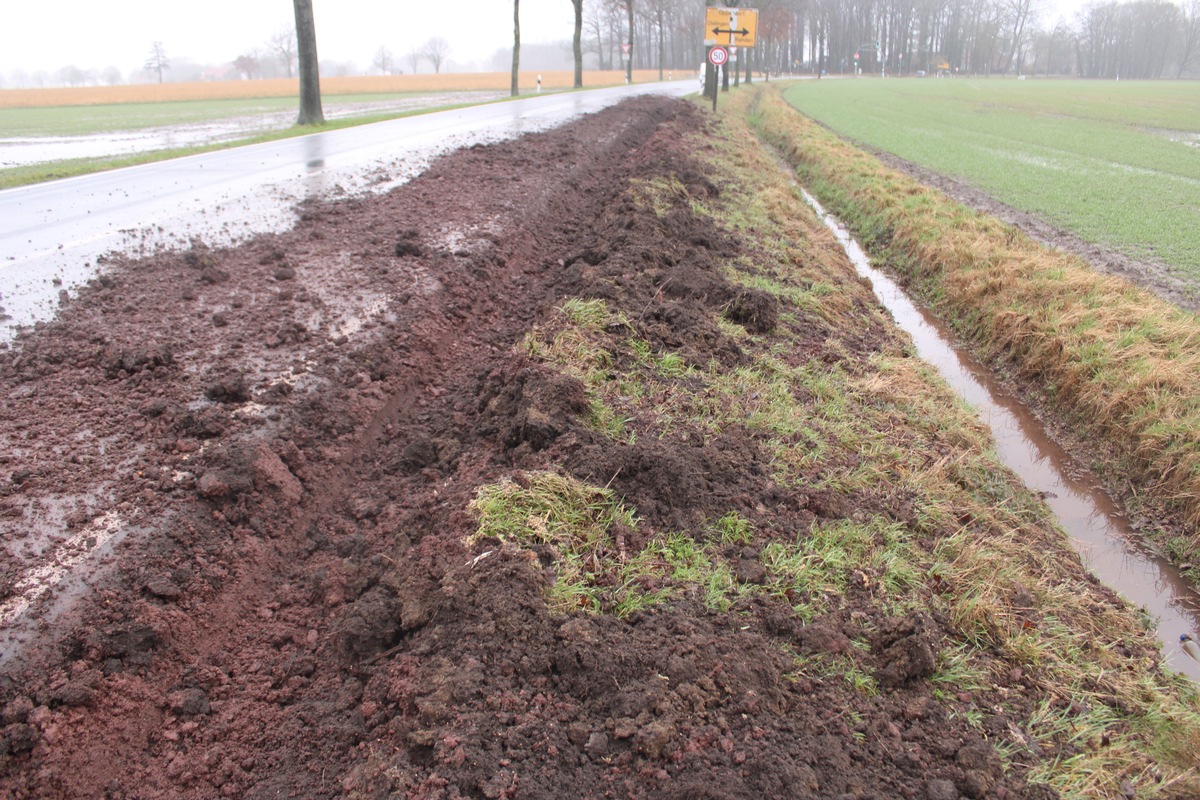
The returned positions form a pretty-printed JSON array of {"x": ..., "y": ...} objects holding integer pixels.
[{"x": 717, "y": 56}]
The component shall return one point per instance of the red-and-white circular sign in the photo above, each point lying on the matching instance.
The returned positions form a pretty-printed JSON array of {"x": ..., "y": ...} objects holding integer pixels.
[{"x": 718, "y": 56}]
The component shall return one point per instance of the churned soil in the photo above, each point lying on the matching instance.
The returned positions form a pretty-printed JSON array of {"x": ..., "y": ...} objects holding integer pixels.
[{"x": 233, "y": 501}]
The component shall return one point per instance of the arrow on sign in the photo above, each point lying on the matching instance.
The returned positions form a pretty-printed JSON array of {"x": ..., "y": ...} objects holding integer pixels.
[{"x": 742, "y": 32}]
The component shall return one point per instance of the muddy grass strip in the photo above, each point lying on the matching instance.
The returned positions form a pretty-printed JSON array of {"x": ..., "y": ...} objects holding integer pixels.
[{"x": 759, "y": 551}]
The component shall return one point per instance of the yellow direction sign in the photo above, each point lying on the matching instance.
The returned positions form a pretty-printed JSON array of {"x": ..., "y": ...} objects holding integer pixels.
[{"x": 737, "y": 27}]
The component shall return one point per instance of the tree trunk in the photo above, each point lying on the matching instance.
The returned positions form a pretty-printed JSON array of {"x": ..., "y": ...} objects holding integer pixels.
[
  {"x": 516, "y": 45},
  {"x": 306, "y": 53},
  {"x": 662, "y": 44},
  {"x": 629, "y": 61},
  {"x": 578, "y": 43},
  {"x": 710, "y": 72}
]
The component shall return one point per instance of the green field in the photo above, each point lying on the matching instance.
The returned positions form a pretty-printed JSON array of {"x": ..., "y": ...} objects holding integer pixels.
[
  {"x": 85, "y": 120},
  {"x": 1117, "y": 163}
]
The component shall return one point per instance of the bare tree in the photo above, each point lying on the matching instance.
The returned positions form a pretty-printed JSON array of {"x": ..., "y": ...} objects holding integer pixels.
[
  {"x": 382, "y": 60},
  {"x": 516, "y": 59},
  {"x": 655, "y": 12},
  {"x": 1190, "y": 46},
  {"x": 310, "y": 76},
  {"x": 629, "y": 42},
  {"x": 283, "y": 44},
  {"x": 597, "y": 26},
  {"x": 435, "y": 51},
  {"x": 111, "y": 75},
  {"x": 157, "y": 62},
  {"x": 414, "y": 60},
  {"x": 578, "y": 42},
  {"x": 247, "y": 66},
  {"x": 72, "y": 75},
  {"x": 1019, "y": 13}
]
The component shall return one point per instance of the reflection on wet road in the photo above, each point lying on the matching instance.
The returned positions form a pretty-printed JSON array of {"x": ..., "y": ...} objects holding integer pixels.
[
  {"x": 18, "y": 151},
  {"x": 1097, "y": 527},
  {"x": 52, "y": 234}
]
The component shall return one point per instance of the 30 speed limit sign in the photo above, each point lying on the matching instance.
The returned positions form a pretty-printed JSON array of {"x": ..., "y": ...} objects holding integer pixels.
[{"x": 718, "y": 56}]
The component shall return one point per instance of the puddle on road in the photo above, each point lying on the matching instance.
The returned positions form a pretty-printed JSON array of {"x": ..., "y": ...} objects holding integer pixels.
[
  {"x": 56, "y": 583},
  {"x": 1099, "y": 529}
]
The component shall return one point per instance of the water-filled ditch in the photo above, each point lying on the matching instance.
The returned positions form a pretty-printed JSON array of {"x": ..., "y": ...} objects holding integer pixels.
[{"x": 1097, "y": 526}]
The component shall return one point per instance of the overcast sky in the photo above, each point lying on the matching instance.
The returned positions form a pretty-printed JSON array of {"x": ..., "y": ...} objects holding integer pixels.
[
  {"x": 95, "y": 34},
  {"x": 50, "y": 34}
]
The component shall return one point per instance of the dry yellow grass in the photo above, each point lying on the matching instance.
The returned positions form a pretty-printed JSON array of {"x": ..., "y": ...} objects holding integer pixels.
[{"x": 282, "y": 87}]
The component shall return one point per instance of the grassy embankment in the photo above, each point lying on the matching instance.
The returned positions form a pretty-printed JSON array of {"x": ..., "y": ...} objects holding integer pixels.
[
  {"x": 862, "y": 422},
  {"x": 106, "y": 109},
  {"x": 1117, "y": 364},
  {"x": 1114, "y": 162}
]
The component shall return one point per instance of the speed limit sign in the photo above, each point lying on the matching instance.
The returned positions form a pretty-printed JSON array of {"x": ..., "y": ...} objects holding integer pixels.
[{"x": 718, "y": 56}]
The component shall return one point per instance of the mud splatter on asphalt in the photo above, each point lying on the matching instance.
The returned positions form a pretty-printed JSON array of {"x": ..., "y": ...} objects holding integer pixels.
[{"x": 287, "y": 436}]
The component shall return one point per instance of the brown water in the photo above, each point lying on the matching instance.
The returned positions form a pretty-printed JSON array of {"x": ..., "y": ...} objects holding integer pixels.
[{"x": 1097, "y": 526}]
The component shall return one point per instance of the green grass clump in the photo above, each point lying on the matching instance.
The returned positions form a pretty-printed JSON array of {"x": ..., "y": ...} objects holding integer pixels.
[
  {"x": 549, "y": 508},
  {"x": 824, "y": 561},
  {"x": 582, "y": 529}
]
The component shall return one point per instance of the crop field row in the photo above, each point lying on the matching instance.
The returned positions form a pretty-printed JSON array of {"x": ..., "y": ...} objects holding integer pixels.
[
  {"x": 102, "y": 109},
  {"x": 283, "y": 87},
  {"x": 1115, "y": 163}
]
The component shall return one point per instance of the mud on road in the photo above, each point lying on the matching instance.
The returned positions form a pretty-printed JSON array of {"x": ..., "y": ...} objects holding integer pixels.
[{"x": 254, "y": 466}]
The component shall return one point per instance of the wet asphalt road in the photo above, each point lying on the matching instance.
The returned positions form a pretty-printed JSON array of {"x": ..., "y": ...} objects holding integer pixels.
[{"x": 52, "y": 234}]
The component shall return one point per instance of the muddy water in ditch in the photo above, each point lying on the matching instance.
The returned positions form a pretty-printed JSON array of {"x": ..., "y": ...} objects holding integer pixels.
[{"x": 1096, "y": 525}]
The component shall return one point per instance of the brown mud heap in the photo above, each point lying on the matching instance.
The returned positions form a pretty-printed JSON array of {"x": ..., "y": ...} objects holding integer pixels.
[{"x": 262, "y": 459}]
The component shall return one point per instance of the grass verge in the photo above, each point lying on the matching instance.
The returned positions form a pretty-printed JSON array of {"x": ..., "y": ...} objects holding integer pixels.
[
  {"x": 1118, "y": 364},
  {"x": 913, "y": 515},
  {"x": 1081, "y": 154}
]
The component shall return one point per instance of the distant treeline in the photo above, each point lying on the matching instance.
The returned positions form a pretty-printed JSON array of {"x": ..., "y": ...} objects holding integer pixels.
[{"x": 1136, "y": 39}]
